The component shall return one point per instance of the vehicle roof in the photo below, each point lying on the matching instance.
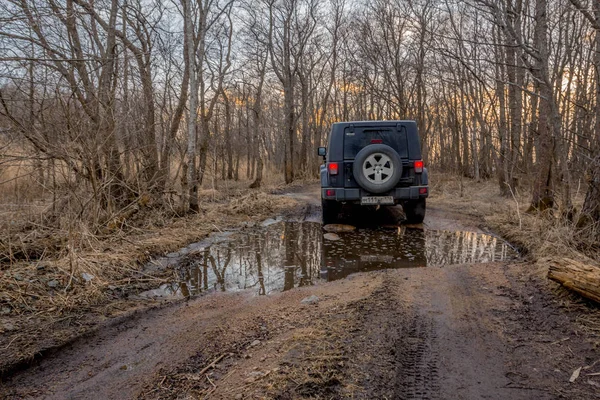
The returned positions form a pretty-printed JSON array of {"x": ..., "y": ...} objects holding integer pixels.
[
  {"x": 336, "y": 137},
  {"x": 374, "y": 122}
]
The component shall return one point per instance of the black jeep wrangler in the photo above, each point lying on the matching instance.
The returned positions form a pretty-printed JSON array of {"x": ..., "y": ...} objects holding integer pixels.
[{"x": 373, "y": 163}]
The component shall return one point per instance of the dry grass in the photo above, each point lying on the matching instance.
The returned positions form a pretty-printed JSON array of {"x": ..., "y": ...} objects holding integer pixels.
[
  {"x": 314, "y": 364},
  {"x": 537, "y": 235},
  {"x": 50, "y": 288}
]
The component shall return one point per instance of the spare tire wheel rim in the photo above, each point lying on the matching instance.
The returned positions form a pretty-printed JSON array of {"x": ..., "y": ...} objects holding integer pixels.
[{"x": 378, "y": 168}]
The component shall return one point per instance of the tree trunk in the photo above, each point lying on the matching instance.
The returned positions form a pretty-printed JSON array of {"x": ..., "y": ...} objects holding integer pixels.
[
  {"x": 223, "y": 163},
  {"x": 228, "y": 145},
  {"x": 259, "y": 174},
  {"x": 192, "y": 180},
  {"x": 590, "y": 213},
  {"x": 236, "y": 175},
  {"x": 577, "y": 276},
  {"x": 150, "y": 150},
  {"x": 464, "y": 129},
  {"x": 501, "y": 160},
  {"x": 165, "y": 166},
  {"x": 303, "y": 162},
  {"x": 531, "y": 133},
  {"x": 516, "y": 78},
  {"x": 543, "y": 185},
  {"x": 204, "y": 146},
  {"x": 289, "y": 128},
  {"x": 257, "y": 125}
]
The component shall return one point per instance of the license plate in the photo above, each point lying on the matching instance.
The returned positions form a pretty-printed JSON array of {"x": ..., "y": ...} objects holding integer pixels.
[{"x": 375, "y": 200}]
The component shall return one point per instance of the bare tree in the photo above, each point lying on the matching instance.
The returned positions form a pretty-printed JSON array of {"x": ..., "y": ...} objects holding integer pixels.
[
  {"x": 100, "y": 88},
  {"x": 590, "y": 213},
  {"x": 292, "y": 23}
]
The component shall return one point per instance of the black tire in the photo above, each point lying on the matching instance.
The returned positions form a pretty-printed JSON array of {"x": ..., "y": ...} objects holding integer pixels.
[
  {"x": 414, "y": 210},
  {"x": 331, "y": 209},
  {"x": 367, "y": 182}
]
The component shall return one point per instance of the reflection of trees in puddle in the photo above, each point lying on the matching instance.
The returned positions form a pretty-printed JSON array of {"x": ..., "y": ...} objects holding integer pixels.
[
  {"x": 292, "y": 254},
  {"x": 302, "y": 254},
  {"x": 446, "y": 248},
  {"x": 196, "y": 272},
  {"x": 283, "y": 256},
  {"x": 367, "y": 250},
  {"x": 372, "y": 249}
]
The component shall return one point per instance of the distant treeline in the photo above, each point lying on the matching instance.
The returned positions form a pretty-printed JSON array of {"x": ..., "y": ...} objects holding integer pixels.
[{"x": 131, "y": 98}]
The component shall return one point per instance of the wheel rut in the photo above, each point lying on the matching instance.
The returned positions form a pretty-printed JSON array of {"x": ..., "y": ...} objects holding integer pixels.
[
  {"x": 396, "y": 347},
  {"x": 417, "y": 361}
]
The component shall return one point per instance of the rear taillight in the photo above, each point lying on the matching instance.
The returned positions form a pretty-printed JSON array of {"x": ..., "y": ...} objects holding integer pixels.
[
  {"x": 422, "y": 190},
  {"x": 418, "y": 166},
  {"x": 330, "y": 192},
  {"x": 333, "y": 168}
]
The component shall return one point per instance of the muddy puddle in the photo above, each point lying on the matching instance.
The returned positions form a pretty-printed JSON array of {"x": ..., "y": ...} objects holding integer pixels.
[{"x": 281, "y": 255}]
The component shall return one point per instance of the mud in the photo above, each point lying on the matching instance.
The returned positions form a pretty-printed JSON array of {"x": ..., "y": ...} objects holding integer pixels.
[{"x": 448, "y": 313}]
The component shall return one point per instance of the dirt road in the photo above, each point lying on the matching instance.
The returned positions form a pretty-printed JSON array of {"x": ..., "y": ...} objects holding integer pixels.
[{"x": 465, "y": 331}]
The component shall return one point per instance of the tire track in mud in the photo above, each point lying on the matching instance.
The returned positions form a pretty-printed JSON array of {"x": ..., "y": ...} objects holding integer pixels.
[
  {"x": 417, "y": 360},
  {"x": 395, "y": 347}
]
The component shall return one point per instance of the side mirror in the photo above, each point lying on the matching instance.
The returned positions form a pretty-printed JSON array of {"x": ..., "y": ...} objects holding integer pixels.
[{"x": 322, "y": 151}]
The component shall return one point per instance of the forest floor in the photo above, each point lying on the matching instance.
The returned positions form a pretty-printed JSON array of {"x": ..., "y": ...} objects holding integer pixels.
[
  {"x": 470, "y": 330},
  {"x": 45, "y": 303}
]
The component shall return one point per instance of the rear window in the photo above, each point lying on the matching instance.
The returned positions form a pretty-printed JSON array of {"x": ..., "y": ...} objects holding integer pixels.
[{"x": 358, "y": 138}]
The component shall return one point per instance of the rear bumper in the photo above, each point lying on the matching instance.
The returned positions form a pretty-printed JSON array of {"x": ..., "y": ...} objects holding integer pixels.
[{"x": 355, "y": 194}]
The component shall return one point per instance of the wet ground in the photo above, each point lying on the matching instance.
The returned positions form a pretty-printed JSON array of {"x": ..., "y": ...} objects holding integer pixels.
[
  {"x": 281, "y": 255},
  {"x": 439, "y": 311}
]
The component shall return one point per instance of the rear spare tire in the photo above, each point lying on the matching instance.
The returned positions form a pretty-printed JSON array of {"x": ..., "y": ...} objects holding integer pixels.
[
  {"x": 377, "y": 168},
  {"x": 414, "y": 210}
]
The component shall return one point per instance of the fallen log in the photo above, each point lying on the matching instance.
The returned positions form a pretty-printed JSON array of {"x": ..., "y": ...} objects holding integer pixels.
[{"x": 583, "y": 278}]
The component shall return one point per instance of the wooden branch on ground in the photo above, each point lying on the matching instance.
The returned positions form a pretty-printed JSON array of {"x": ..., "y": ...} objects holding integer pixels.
[
  {"x": 214, "y": 363},
  {"x": 577, "y": 276}
]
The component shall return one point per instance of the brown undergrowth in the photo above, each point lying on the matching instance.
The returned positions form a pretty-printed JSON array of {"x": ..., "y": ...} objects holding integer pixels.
[
  {"x": 536, "y": 235},
  {"x": 79, "y": 278}
]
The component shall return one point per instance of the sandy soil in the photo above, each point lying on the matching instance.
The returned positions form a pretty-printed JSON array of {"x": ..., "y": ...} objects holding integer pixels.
[{"x": 493, "y": 331}]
